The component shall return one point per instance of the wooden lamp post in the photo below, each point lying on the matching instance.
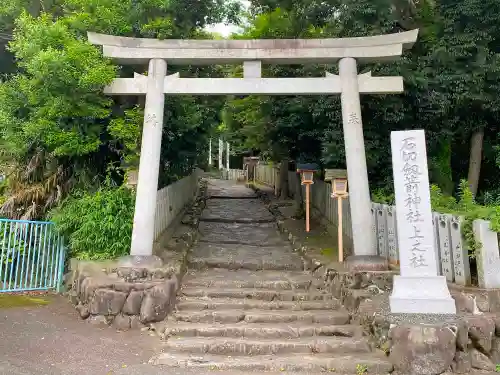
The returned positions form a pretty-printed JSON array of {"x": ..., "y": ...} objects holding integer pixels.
[
  {"x": 307, "y": 178},
  {"x": 338, "y": 178}
]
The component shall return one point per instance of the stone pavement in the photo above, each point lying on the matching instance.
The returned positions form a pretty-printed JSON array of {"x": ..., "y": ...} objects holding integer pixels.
[{"x": 247, "y": 304}]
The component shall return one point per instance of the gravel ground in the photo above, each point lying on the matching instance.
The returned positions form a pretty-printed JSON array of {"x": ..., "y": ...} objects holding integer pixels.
[{"x": 52, "y": 340}]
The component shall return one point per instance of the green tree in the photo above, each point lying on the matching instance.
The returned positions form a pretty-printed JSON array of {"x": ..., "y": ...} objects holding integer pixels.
[
  {"x": 59, "y": 131},
  {"x": 450, "y": 75}
]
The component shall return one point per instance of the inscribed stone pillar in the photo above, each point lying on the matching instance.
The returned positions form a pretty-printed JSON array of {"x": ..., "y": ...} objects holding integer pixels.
[
  {"x": 359, "y": 192},
  {"x": 419, "y": 289},
  {"x": 149, "y": 164},
  {"x": 488, "y": 257},
  {"x": 227, "y": 155},
  {"x": 210, "y": 152}
]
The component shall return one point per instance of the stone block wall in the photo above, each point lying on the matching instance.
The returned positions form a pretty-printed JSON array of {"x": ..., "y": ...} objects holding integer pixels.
[
  {"x": 126, "y": 297},
  {"x": 468, "y": 343},
  {"x": 459, "y": 346}
]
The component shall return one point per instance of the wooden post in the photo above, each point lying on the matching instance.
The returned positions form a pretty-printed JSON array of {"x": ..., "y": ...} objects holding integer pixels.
[
  {"x": 307, "y": 177},
  {"x": 340, "y": 234},
  {"x": 338, "y": 177},
  {"x": 307, "y": 207}
]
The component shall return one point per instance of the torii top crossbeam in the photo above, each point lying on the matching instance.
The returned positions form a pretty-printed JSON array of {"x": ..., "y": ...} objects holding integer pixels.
[{"x": 276, "y": 51}]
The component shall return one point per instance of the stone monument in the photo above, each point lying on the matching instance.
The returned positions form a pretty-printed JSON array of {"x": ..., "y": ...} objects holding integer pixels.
[{"x": 419, "y": 288}]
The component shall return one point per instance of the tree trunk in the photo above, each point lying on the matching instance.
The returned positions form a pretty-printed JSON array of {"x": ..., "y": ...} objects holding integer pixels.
[
  {"x": 283, "y": 180},
  {"x": 440, "y": 166},
  {"x": 476, "y": 151},
  {"x": 298, "y": 197}
]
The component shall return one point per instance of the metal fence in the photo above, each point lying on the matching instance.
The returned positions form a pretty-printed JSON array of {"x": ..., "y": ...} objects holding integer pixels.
[
  {"x": 451, "y": 251},
  {"x": 173, "y": 198},
  {"x": 32, "y": 256},
  {"x": 33, "y": 253}
]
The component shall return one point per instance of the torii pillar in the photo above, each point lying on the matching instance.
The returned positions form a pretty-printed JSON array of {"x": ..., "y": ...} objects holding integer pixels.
[{"x": 149, "y": 165}]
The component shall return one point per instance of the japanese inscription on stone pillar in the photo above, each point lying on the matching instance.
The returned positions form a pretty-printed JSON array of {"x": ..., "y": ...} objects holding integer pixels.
[
  {"x": 392, "y": 241},
  {"x": 461, "y": 266},
  {"x": 413, "y": 208},
  {"x": 444, "y": 243}
]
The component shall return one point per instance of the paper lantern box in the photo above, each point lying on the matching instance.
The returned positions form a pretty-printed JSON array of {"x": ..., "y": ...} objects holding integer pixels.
[
  {"x": 332, "y": 174},
  {"x": 307, "y": 172},
  {"x": 338, "y": 178}
]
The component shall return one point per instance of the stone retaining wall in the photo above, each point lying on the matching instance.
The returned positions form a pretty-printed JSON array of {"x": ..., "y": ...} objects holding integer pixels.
[
  {"x": 416, "y": 345},
  {"x": 104, "y": 293},
  {"x": 126, "y": 297},
  {"x": 459, "y": 346}
]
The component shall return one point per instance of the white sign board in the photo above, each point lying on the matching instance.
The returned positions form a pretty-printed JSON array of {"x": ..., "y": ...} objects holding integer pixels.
[{"x": 413, "y": 202}]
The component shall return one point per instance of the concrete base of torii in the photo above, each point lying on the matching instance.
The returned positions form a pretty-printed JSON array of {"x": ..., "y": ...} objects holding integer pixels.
[{"x": 140, "y": 261}]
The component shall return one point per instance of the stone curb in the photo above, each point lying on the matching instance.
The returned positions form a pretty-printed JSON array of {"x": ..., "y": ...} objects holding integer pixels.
[
  {"x": 189, "y": 239},
  {"x": 192, "y": 219}
]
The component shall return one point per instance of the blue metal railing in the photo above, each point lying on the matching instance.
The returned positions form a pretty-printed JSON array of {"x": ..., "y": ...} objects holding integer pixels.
[{"x": 32, "y": 256}]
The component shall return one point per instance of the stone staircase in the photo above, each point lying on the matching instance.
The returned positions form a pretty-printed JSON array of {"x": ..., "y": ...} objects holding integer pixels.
[{"x": 246, "y": 302}]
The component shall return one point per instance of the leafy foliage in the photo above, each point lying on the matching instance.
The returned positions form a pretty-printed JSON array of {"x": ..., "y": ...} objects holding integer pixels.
[
  {"x": 97, "y": 225},
  {"x": 464, "y": 206},
  {"x": 51, "y": 114},
  {"x": 58, "y": 130},
  {"x": 13, "y": 246}
]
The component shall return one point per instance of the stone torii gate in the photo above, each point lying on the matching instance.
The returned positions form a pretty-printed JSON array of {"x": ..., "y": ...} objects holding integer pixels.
[{"x": 252, "y": 53}]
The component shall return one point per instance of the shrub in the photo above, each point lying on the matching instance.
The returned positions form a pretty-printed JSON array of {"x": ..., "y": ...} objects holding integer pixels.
[
  {"x": 13, "y": 244},
  {"x": 97, "y": 225}
]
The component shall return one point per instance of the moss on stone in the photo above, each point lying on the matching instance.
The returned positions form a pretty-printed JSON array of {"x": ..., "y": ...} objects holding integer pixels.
[{"x": 22, "y": 300}]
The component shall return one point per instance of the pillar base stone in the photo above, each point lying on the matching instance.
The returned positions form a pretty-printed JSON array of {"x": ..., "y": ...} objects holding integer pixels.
[
  {"x": 421, "y": 295},
  {"x": 367, "y": 263},
  {"x": 140, "y": 261}
]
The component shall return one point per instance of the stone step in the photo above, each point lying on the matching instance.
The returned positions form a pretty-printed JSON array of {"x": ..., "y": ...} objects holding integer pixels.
[
  {"x": 228, "y": 279},
  {"x": 237, "y": 233},
  {"x": 255, "y": 264},
  {"x": 338, "y": 317},
  {"x": 188, "y": 303},
  {"x": 283, "y": 331},
  {"x": 213, "y": 218},
  {"x": 374, "y": 363},
  {"x": 259, "y": 346},
  {"x": 257, "y": 294},
  {"x": 244, "y": 257}
]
